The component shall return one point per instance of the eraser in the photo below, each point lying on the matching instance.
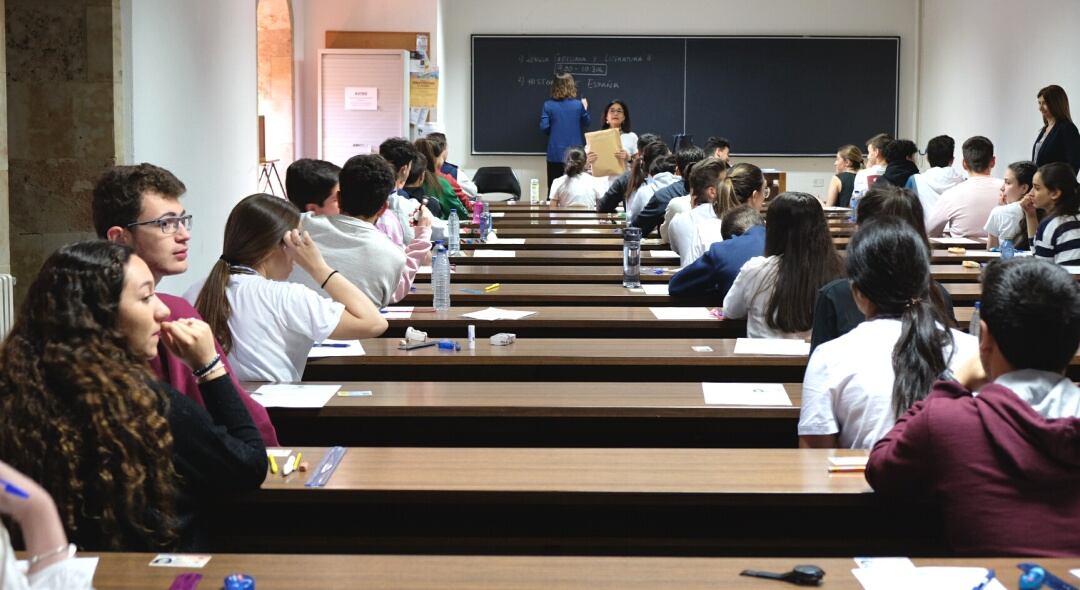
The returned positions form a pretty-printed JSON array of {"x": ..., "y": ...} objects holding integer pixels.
[
  {"x": 957, "y": 250},
  {"x": 969, "y": 264},
  {"x": 304, "y": 466}
]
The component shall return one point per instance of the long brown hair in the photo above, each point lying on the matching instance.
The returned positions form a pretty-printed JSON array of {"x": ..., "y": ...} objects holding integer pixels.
[
  {"x": 737, "y": 187},
  {"x": 431, "y": 151},
  {"x": 1057, "y": 102},
  {"x": 255, "y": 227},
  {"x": 852, "y": 154},
  {"x": 79, "y": 414}
]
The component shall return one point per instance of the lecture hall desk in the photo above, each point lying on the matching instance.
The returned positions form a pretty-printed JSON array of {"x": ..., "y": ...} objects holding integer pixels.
[
  {"x": 839, "y": 233},
  {"x": 505, "y": 256},
  {"x": 642, "y": 501},
  {"x": 536, "y": 414},
  {"x": 129, "y": 571}
]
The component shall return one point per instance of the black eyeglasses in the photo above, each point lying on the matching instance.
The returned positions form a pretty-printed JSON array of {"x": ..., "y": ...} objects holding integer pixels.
[{"x": 167, "y": 225}]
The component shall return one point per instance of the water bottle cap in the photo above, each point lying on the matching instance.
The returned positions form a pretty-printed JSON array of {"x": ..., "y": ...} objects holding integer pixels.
[{"x": 632, "y": 233}]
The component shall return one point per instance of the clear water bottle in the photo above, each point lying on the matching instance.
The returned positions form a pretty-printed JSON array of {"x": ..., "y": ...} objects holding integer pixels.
[
  {"x": 440, "y": 278},
  {"x": 973, "y": 327},
  {"x": 854, "y": 204},
  {"x": 453, "y": 234},
  {"x": 534, "y": 191},
  {"x": 1008, "y": 249},
  {"x": 487, "y": 223},
  {"x": 631, "y": 265}
]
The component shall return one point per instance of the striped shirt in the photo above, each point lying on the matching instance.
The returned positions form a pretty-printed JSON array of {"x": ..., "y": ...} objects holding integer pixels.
[{"x": 1058, "y": 238}]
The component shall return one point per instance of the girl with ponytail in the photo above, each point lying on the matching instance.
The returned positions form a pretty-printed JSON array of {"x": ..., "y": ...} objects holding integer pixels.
[
  {"x": 267, "y": 326},
  {"x": 575, "y": 189},
  {"x": 1055, "y": 189},
  {"x": 857, "y": 385}
]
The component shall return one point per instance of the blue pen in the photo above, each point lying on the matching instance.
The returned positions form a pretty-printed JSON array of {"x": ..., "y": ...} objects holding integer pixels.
[
  {"x": 332, "y": 345},
  {"x": 989, "y": 577},
  {"x": 14, "y": 490}
]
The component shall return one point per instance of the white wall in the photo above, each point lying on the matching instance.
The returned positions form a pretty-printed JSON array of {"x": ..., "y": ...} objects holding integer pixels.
[
  {"x": 461, "y": 18},
  {"x": 312, "y": 18},
  {"x": 193, "y": 109},
  {"x": 983, "y": 62}
]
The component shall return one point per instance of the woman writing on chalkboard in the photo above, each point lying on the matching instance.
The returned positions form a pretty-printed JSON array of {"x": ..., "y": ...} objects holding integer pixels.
[{"x": 564, "y": 119}]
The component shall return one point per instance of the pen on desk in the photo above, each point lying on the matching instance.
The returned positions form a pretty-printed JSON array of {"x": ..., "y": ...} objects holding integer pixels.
[
  {"x": 14, "y": 490},
  {"x": 273, "y": 464},
  {"x": 331, "y": 345},
  {"x": 492, "y": 287},
  {"x": 987, "y": 580},
  {"x": 296, "y": 464}
]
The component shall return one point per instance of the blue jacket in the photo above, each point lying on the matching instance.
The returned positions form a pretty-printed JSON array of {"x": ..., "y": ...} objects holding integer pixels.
[
  {"x": 564, "y": 121},
  {"x": 716, "y": 270}
]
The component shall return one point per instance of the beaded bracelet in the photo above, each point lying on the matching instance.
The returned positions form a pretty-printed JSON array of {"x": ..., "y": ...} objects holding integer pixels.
[
  {"x": 207, "y": 367},
  {"x": 70, "y": 548}
]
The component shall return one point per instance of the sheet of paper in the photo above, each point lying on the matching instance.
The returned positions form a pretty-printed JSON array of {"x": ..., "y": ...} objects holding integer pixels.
[
  {"x": 336, "y": 348},
  {"x": 772, "y": 346},
  {"x": 701, "y": 348},
  {"x": 498, "y": 214},
  {"x": 604, "y": 144},
  {"x": 397, "y": 312},
  {"x": 682, "y": 313},
  {"x": 180, "y": 560},
  {"x": 1075, "y": 572},
  {"x": 885, "y": 562},
  {"x": 495, "y": 253},
  {"x": 294, "y": 395},
  {"x": 654, "y": 288},
  {"x": 662, "y": 254},
  {"x": 956, "y": 241},
  {"x": 86, "y": 565},
  {"x": 494, "y": 313},
  {"x": 279, "y": 452},
  {"x": 361, "y": 98},
  {"x": 923, "y": 578},
  {"x": 745, "y": 394},
  {"x": 510, "y": 241},
  {"x": 578, "y": 222},
  {"x": 426, "y": 270}
]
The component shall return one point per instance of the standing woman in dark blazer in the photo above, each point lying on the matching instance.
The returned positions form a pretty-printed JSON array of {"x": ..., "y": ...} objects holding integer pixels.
[
  {"x": 564, "y": 119},
  {"x": 1058, "y": 140}
]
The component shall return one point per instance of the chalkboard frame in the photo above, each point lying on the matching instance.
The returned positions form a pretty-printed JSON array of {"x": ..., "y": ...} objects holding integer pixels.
[{"x": 685, "y": 38}]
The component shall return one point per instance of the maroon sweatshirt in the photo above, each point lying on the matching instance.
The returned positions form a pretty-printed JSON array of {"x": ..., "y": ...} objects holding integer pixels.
[
  {"x": 172, "y": 370},
  {"x": 1007, "y": 479}
]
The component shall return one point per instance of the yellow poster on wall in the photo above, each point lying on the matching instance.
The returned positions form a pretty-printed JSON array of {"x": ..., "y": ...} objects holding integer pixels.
[{"x": 424, "y": 89}]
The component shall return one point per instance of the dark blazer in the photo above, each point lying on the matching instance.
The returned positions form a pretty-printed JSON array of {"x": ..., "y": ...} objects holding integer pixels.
[
  {"x": 714, "y": 273},
  {"x": 1062, "y": 145}
]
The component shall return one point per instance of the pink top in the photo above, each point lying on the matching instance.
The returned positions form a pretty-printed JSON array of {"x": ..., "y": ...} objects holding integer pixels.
[
  {"x": 389, "y": 224},
  {"x": 965, "y": 208},
  {"x": 170, "y": 369},
  {"x": 416, "y": 254}
]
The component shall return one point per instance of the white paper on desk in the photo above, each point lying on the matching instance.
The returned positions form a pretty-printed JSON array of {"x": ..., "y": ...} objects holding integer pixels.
[
  {"x": 352, "y": 348},
  {"x": 745, "y": 394},
  {"x": 86, "y": 566},
  {"x": 1075, "y": 573},
  {"x": 654, "y": 288},
  {"x": 776, "y": 346},
  {"x": 495, "y": 253},
  {"x": 498, "y": 214},
  {"x": 426, "y": 270},
  {"x": 956, "y": 241},
  {"x": 494, "y": 313},
  {"x": 884, "y": 562},
  {"x": 682, "y": 313},
  {"x": 662, "y": 254},
  {"x": 510, "y": 241},
  {"x": 923, "y": 578},
  {"x": 294, "y": 395},
  {"x": 397, "y": 312},
  {"x": 579, "y": 222}
]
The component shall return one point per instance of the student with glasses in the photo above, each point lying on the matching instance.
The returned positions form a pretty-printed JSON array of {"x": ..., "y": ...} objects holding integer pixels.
[{"x": 139, "y": 206}]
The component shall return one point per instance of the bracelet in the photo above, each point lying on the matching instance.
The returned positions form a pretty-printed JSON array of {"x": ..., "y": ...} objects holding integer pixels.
[
  {"x": 70, "y": 548},
  {"x": 207, "y": 367},
  {"x": 323, "y": 285}
]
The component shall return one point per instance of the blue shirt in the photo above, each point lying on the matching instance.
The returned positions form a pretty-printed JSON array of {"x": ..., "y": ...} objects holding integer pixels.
[
  {"x": 564, "y": 121},
  {"x": 716, "y": 270}
]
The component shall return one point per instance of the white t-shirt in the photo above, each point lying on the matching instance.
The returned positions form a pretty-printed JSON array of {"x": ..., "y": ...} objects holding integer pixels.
[
  {"x": 273, "y": 326},
  {"x": 577, "y": 191},
  {"x": 692, "y": 232},
  {"x": 1004, "y": 221},
  {"x": 847, "y": 388},
  {"x": 674, "y": 207},
  {"x": 749, "y": 298},
  {"x": 862, "y": 179}
]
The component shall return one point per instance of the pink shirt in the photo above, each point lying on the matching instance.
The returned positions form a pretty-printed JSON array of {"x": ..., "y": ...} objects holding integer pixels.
[
  {"x": 389, "y": 224},
  {"x": 965, "y": 208}
]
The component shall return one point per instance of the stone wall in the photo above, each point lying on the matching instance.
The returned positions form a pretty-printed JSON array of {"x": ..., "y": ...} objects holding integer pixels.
[{"x": 62, "y": 105}]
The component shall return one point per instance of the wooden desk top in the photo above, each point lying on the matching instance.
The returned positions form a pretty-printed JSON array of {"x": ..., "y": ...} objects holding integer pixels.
[
  {"x": 614, "y": 256},
  {"x": 129, "y": 571},
  {"x": 518, "y": 230},
  {"x": 551, "y": 243},
  {"x": 556, "y": 274},
  {"x": 552, "y": 294}
]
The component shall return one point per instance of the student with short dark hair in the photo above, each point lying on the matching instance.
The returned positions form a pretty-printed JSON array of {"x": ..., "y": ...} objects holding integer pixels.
[
  {"x": 1006, "y": 221},
  {"x": 692, "y": 232},
  {"x": 312, "y": 185},
  {"x": 849, "y": 160},
  {"x": 940, "y": 176},
  {"x": 266, "y": 324},
  {"x": 1054, "y": 189},
  {"x": 962, "y": 211},
  {"x": 875, "y": 165},
  {"x": 139, "y": 206},
  {"x": 575, "y": 188},
  {"x": 399, "y": 225},
  {"x": 835, "y": 311},
  {"x": 857, "y": 385},
  {"x": 775, "y": 292},
  {"x": 1008, "y": 452},
  {"x": 743, "y": 183},
  {"x": 900, "y": 162},
  {"x": 650, "y": 216},
  {"x": 718, "y": 147},
  {"x": 616, "y": 192},
  {"x": 713, "y": 273},
  {"x": 383, "y": 271}
]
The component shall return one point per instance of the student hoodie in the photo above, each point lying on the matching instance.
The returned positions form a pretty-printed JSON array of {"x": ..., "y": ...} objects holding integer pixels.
[
  {"x": 930, "y": 184},
  {"x": 1004, "y": 471}
]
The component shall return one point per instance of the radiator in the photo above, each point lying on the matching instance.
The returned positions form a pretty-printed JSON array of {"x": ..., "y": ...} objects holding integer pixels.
[{"x": 7, "y": 304}]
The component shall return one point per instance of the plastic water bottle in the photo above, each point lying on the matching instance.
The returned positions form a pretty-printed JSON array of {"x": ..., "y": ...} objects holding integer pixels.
[
  {"x": 534, "y": 191},
  {"x": 453, "y": 234},
  {"x": 487, "y": 223},
  {"x": 631, "y": 258},
  {"x": 477, "y": 212},
  {"x": 973, "y": 327},
  {"x": 1008, "y": 249},
  {"x": 854, "y": 203},
  {"x": 440, "y": 278}
]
